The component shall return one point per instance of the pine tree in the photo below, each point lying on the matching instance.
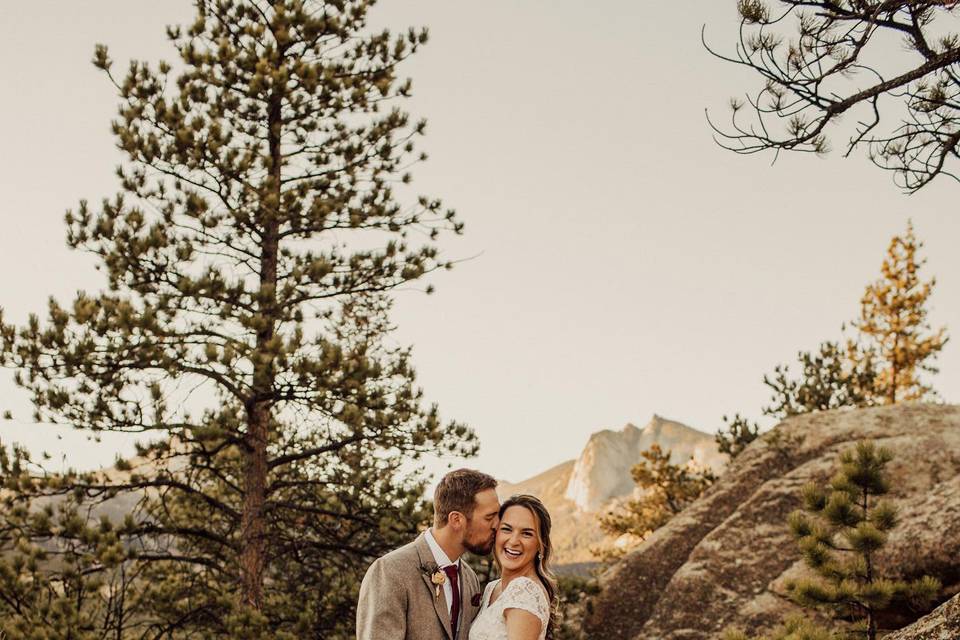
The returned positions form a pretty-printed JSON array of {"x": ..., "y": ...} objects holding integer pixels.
[
  {"x": 244, "y": 325},
  {"x": 840, "y": 531},
  {"x": 573, "y": 603},
  {"x": 63, "y": 572},
  {"x": 893, "y": 323},
  {"x": 738, "y": 433},
  {"x": 832, "y": 378},
  {"x": 666, "y": 489}
]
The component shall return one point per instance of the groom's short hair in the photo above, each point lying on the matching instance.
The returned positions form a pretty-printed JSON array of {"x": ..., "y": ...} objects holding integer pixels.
[{"x": 458, "y": 491}]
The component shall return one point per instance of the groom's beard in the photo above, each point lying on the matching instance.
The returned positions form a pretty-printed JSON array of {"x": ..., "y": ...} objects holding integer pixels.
[{"x": 482, "y": 549}]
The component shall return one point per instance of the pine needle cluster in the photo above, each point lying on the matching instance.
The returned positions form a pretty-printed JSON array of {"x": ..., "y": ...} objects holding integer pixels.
[{"x": 820, "y": 64}]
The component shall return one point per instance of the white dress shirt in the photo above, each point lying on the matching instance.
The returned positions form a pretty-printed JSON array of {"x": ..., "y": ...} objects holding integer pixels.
[{"x": 443, "y": 560}]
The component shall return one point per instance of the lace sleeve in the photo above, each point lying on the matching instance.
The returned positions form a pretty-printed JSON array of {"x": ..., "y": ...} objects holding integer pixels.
[{"x": 524, "y": 593}]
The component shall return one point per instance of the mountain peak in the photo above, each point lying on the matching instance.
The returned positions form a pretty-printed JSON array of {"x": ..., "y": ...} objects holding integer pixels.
[
  {"x": 658, "y": 426},
  {"x": 602, "y": 471}
]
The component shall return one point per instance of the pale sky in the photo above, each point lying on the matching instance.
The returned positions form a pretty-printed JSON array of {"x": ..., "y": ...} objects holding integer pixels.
[{"x": 624, "y": 264}]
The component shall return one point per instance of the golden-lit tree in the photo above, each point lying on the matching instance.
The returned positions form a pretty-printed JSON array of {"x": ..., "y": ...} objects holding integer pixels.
[{"x": 893, "y": 324}]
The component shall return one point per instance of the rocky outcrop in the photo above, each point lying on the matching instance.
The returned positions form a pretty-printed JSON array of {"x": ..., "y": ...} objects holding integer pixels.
[
  {"x": 725, "y": 560},
  {"x": 942, "y": 624},
  {"x": 576, "y": 490}
]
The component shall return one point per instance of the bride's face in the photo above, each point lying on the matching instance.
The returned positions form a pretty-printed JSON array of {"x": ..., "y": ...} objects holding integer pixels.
[{"x": 517, "y": 541}]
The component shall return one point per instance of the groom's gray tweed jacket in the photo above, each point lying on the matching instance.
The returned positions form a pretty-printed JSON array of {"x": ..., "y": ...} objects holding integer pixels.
[{"x": 398, "y": 601}]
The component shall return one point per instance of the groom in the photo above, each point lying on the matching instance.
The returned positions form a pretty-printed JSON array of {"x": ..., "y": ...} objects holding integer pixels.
[{"x": 423, "y": 591}]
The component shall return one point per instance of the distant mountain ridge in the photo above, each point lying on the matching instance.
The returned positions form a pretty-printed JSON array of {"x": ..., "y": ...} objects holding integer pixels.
[
  {"x": 598, "y": 474},
  {"x": 577, "y": 491}
]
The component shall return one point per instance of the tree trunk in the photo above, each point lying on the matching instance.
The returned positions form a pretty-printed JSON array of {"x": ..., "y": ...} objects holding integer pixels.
[
  {"x": 260, "y": 406},
  {"x": 868, "y": 559},
  {"x": 894, "y": 371},
  {"x": 253, "y": 529}
]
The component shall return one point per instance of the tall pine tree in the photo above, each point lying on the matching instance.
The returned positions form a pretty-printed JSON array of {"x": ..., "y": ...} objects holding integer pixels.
[{"x": 243, "y": 327}]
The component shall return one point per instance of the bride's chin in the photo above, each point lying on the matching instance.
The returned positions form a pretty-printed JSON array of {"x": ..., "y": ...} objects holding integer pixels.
[{"x": 514, "y": 564}]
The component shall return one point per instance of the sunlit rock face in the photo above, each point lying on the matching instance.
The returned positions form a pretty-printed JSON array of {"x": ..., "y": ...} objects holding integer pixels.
[{"x": 602, "y": 472}]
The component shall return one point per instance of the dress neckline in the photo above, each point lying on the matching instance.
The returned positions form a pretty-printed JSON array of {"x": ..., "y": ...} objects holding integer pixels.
[{"x": 489, "y": 592}]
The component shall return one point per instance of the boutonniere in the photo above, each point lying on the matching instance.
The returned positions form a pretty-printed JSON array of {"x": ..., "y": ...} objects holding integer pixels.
[
  {"x": 437, "y": 577},
  {"x": 475, "y": 600}
]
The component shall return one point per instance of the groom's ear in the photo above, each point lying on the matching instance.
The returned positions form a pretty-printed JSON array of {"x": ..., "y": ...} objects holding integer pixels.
[{"x": 457, "y": 520}]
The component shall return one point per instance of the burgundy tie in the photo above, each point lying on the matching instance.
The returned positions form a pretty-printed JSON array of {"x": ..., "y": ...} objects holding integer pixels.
[{"x": 453, "y": 573}]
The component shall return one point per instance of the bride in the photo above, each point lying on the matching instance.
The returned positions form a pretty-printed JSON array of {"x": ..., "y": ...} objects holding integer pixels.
[{"x": 518, "y": 606}]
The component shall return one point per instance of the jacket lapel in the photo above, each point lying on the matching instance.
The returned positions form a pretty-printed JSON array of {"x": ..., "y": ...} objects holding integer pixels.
[
  {"x": 468, "y": 587},
  {"x": 439, "y": 603}
]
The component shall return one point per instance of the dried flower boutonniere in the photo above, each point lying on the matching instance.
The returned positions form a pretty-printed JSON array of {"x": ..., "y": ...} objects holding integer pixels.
[{"x": 437, "y": 577}]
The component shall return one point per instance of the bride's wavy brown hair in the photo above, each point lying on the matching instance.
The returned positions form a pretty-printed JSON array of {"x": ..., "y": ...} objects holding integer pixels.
[{"x": 542, "y": 560}]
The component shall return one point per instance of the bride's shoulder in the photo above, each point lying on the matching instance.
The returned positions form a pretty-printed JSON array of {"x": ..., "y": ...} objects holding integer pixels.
[
  {"x": 529, "y": 595},
  {"x": 525, "y": 583},
  {"x": 526, "y": 586}
]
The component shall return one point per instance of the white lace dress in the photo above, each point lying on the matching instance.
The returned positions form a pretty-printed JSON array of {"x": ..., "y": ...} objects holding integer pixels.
[{"x": 521, "y": 593}]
